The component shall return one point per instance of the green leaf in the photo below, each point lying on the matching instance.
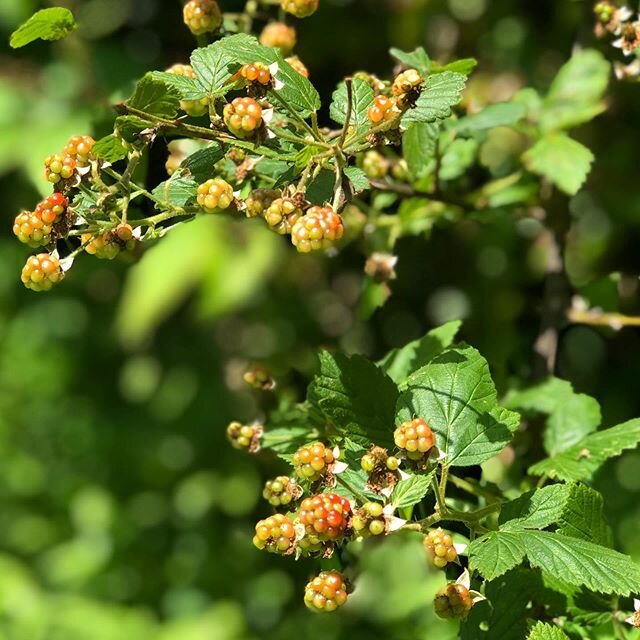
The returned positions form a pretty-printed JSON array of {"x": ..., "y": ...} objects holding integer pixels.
[
  {"x": 178, "y": 190},
  {"x": 47, "y": 24},
  {"x": 155, "y": 98},
  {"x": 583, "y": 516},
  {"x": 503, "y": 114},
  {"x": 458, "y": 157},
  {"x": 320, "y": 189},
  {"x": 356, "y": 397},
  {"x": 416, "y": 59},
  {"x": 295, "y": 88},
  {"x": 130, "y": 127},
  {"x": 582, "y": 460},
  {"x": 535, "y": 509},
  {"x": 572, "y": 416},
  {"x": 358, "y": 179},
  {"x": 576, "y": 93},
  {"x": 418, "y": 147},
  {"x": 187, "y": 88},
  {"x": 411, "y": 490},
  {"x": 362, "y": 99},
  {"x": 201, "y": 164},
  {"x": 440, "y": 93},
  {"x": 543, "y": 631},
  {"x": 399, "y": 363},
  {"x": 563, "y": 161},
  {"x": 464, "y": 66},
  {"x": 110, "y": 149},
  {"x": 287, "y": 439},
  {"x": 455, "y": 394},
  {"x": 351, "y": 483},
  {"x": 580, "y": 563}
]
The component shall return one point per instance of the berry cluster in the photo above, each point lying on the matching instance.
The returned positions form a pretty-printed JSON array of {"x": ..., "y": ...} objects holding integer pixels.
[
  {"x": 383, "y": 109},
  {"x": 258, "y": 377},
  {"x": 60, "y": 170},
  {"x": 275, "y": 534},
  {"x": 109, "y": 244},
  {"x": 258, "y": 201},
  {"x": 300, "y": 8},
  {"x": 313, "y": 461},
  {"x": 374, "y": 164},
  {"x": 36, "y": 228},
  {"x": 257, "y": 73},
  {"x": 214, "y": 194},
  {"x": 440, "y": 547},
  {"x": 318, "y": 229},
  {"x": 326, "y": 516},
  {"x": 202, "y": 16},
  {"x": 406, "y": 88},
  {"x": 79, "y": 148},
  {"x": 41, "y": 272},
  {"x": 244, "y": 436},
  {"x": 326, "y": 592},
  {"x": 282, "y": 214},
  {"x": 415, "y": 437},
  {"x": 369, "y": 520},
  {"x": 280, "y": 36},
  {"x": 193, "y": 108},
  {"x": 281, "y": 491},
  {"x": 243, "y": 117},
  {"x": 453, "y": 602}
]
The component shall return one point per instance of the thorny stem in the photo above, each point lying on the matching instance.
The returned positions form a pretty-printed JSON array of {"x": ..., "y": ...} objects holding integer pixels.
[{"x": 295, "y": 115}]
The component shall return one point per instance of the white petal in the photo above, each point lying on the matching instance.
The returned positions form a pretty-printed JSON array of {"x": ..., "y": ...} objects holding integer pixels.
[
  {"x": 476, "y": 596},
  {"x": 273, "y": 68},
  {"x": 386, "y": 492},
  {"x": 278, "y": 84},
  {"x": 339, "y": 467},
  {"x": 618, "y": 43},
  {"x": 84, "y": 170},
  {"x": 395, "y": 523},
  {"x": 460, "y": 548},
  {"x": 636, "y": 604},
  {"x": 464, "y": 579},
  {"x": 388, "y": 510},
  {"x": 299, "y": 530},
  {"x": 137, "y": 233},
  {"x": 66, "y": 263},
  {"x": 441, "y": 455},
  {"x": 336, "y": 452},
  {"x": 267, "y": 115},
  {"x": 630, "y": 621},
  {"x": 404, "y": 475}
]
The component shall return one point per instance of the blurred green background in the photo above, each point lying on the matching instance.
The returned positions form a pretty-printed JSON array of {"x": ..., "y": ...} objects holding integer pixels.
[{"x": 124, "y": 512}]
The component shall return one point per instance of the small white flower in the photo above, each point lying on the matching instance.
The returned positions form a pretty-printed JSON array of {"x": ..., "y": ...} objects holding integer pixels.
[{"x": 634, "y": 620}]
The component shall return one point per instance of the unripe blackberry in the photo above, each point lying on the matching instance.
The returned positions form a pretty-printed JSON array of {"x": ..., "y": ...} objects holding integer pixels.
[
  {"x": 79, "y": 148},
  {"x": 383, "y": 109},
  {"x": 375, "y": 165},
  {"x": 407, "y": 87},
  {"x": 400, "y": 170},
  {"x": 258, "y": 377},
  {"x": 202, "y": 16},
  {"x": 242, "y": 436},
  {"x": 415, "y": 437},
  {"x": 243, "y": 117},
  {"x": 310, "y": 544},
  {"x": 368, "y": 462},
  {"x": 259, "y": 200},
  {"x": 124, "y": 233},
  {"x": 326, "y": 592},
  {"x": 604, "y": 11},
  {"x": 193, "y": 108},
  {"x": 392, "y": 463},
  {"x": 280, "y": 36},
  {"x": 369, "y": 520},
  {"x": 453, "y": 602},
  {"x": 300, "y": 8},
  {"x": 282, "y": 214},
  {"x": 318, "y": 229},
  {"x": 326, "y": 516},
  {"x": 257, "y": 72},
  {"x": 105, "y": 246},
  {"x": 60, "y": 168},
  {"x": 31, "y": 229},
  {"x": 215, "y": 194},
  {"x": 312, "y": 461},
  {"x": 298, "y": 65},
  {"x": 439, "y": 546},
  {"x": 41, "y": 272},
  {"x": 275, "y": 534},
  {"x": 281, "y": 491}
]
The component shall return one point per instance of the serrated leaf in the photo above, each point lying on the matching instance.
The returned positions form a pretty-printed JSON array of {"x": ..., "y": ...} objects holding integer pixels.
[
  {"x": 320, "y": 189},
  {"x": 576, "y": 93},
  {"x": 563, "y": 161},
  {"x": 582, "y": 460},
  {"x": 411, "y": 490},
  {"x": 287, "y": 439},
  {"x": 580, "y": 563},
  {"x": 464, "y": 66},
  {"x": 441, "y": 91},
  {"x": 416, "y": 59},
  {"x": 496, "y": 553},
  {"x": 356, "y": 397},
  {"x": 418, "y": 147},
  {"x": 572, "y": 416},
  {"x": 54, "y": 23},
  {"x": 109, "y": 149},
  {"x": 214, "y": 68},
  {"x": 535, "y": 509},
  {"x": 457, "y": 158},
  {"x": 543, "y": 631},
  {"x": 242, "y": 49},
  {"x": 362, "y": 99},
  {"x": 351, "y": 484},
  {"x": 130, "y": 127},
  {"x": 188, "y": 88},
  {"x": 155, "y": 98},
  {"x": 455, "y": 394},
  {"x": 201, "y": 164},
  {"x": 399, "y": 363},
  {"x": 358, "y": 179},
  {"x": 177, "y": 191},
  {"x": 503, "y": 114},
  {"x": 583, "y": 516}
]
